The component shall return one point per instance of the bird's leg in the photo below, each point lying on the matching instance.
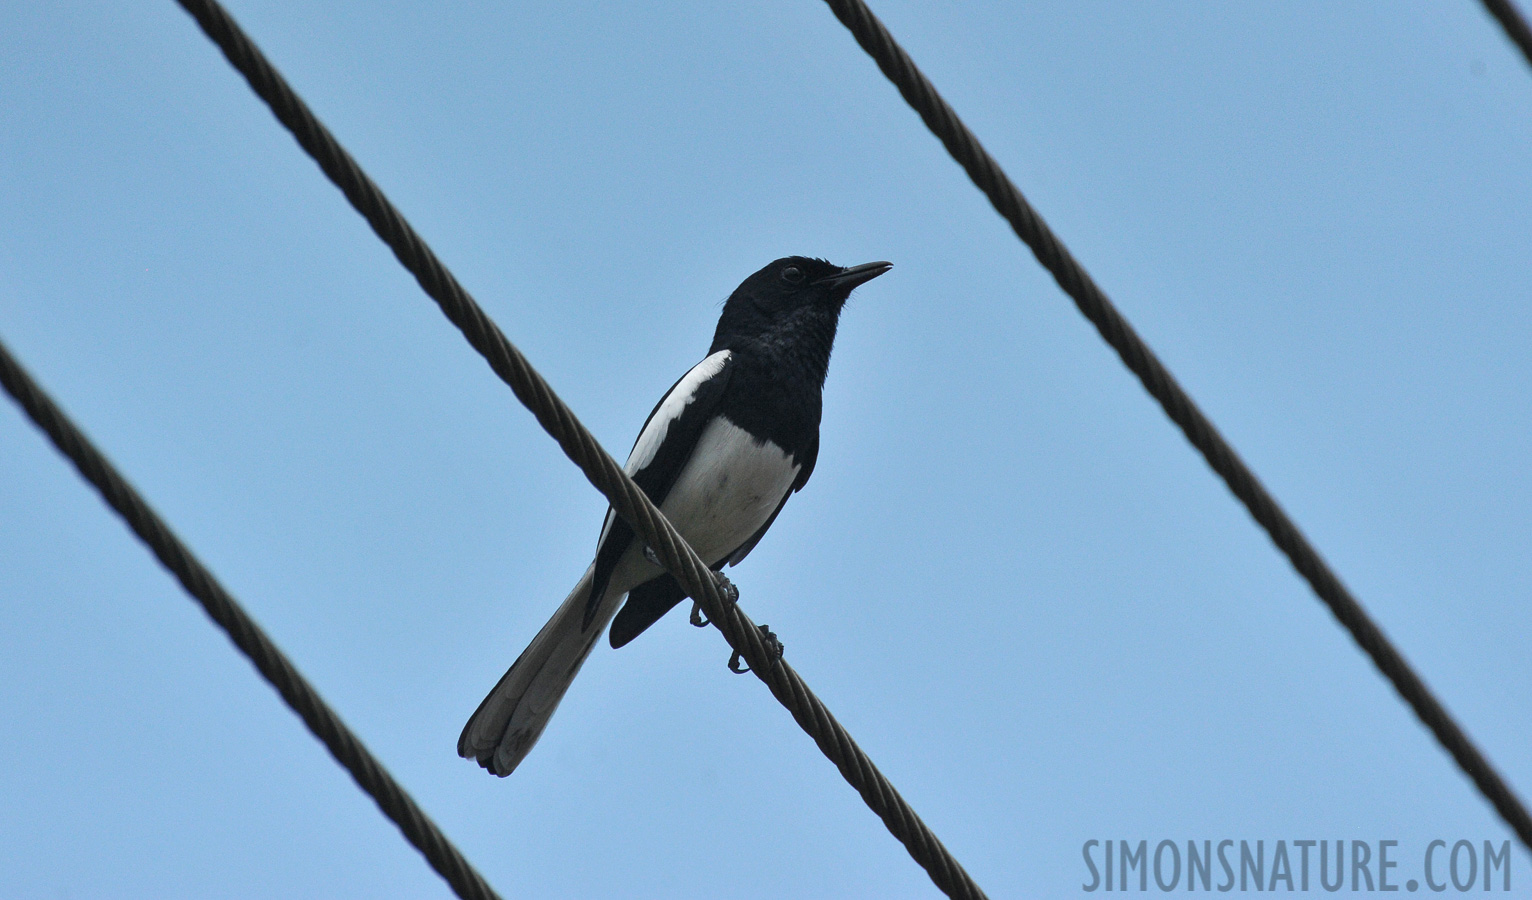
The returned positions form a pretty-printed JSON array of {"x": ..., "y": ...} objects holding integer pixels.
[{"x": 774, "y": 649}]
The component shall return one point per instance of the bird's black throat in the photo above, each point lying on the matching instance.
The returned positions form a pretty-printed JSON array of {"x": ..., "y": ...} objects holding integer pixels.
[{"x": 776, "y": 390}]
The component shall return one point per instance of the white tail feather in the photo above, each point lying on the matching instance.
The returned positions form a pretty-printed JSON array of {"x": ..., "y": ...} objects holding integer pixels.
[{"x": 510, "y": 720}]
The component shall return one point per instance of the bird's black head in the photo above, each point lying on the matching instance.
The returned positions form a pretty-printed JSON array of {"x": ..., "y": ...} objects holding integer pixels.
[{"x": 790, "y": 308}]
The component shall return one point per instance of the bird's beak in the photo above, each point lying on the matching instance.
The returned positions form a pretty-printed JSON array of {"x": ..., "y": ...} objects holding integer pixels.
[{"x": 848, "y": 278}]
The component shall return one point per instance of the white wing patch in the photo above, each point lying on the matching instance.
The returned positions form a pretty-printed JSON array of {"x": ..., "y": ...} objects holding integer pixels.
[
  {"x": 674, "y": 404},
  {"x": 653, "y": 435}
]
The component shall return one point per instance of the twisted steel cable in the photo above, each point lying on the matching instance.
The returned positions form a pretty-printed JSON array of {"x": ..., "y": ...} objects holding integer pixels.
[
  {"x": 1515, "y": 25},
  {"x": 221, "y": 606},
  {"x": 987, "y": 175},
  {"x": 713, "y": 593}
]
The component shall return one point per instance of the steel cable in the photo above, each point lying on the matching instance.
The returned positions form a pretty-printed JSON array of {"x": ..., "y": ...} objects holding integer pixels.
[
  {"x": 987, "y": 175},
  {"x": 221, "y": 606},
  {"x": 581, "y": 447},
  {"x": 1514, "y": 24}
]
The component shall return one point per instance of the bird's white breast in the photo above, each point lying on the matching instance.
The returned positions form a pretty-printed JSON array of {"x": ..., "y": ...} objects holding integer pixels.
[{"x": 729, "y": 488}]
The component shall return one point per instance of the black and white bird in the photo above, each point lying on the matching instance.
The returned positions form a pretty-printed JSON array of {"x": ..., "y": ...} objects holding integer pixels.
[{"x": 720, "y": 454}]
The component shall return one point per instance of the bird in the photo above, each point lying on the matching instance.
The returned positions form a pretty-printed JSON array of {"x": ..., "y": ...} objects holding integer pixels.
[{"x": 720, "y": 454}]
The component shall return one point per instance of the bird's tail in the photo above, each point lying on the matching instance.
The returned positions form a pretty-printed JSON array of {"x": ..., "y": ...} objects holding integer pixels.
[{"x": 506, "y": 725}]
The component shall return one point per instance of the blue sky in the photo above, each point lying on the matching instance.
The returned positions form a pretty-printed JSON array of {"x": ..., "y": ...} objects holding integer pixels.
[{"x": 1010, "y": 577}]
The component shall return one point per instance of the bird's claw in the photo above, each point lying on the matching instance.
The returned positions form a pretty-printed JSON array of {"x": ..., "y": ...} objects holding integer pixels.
[
  {"x": 774, "y": 649},
  {"x": 730, "y": 595},
  {"x": 653, "y": 557},
  {"x": 727, "y": 588}
]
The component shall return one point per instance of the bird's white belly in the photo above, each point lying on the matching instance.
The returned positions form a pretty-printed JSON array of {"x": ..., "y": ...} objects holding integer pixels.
[{"x": 729, "y": 488}]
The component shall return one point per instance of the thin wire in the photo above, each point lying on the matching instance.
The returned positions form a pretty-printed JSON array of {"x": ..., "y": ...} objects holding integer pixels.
[
  {"x": 224, "y": 610},
  {"x": 1515, "y": 25},
  {"x": 1093, "y": 303},
  {"x": 581, "y": 447}
]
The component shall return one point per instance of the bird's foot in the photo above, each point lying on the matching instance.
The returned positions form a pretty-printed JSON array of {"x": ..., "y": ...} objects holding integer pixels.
[
  {"x": 774, "y": 649},
  {"x": 726, "y": 588}
]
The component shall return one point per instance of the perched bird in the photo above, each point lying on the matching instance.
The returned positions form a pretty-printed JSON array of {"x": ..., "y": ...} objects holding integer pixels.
[{"x": 720, "y": 454}]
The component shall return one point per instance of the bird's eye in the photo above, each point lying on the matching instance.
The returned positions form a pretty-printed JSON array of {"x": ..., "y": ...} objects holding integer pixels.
[{"x": 791, "y": 275}]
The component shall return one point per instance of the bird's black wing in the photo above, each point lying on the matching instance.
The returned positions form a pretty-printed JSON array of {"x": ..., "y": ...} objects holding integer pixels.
[{"x": 663, "y": 447}]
